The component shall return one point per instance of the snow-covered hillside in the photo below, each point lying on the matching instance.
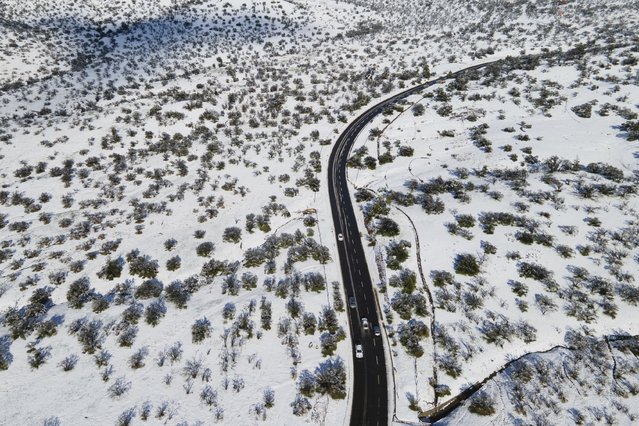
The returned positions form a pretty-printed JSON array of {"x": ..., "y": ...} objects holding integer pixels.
[
  {"x": 166, "y": 242},
  {"x": 517, "y": 185}
]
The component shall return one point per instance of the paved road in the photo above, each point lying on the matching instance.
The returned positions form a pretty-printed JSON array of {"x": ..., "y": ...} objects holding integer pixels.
[{"x": 370, "y": 388}]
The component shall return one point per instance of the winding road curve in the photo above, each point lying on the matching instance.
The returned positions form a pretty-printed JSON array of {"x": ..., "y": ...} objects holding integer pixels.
[{"x": 370, "y": 387}]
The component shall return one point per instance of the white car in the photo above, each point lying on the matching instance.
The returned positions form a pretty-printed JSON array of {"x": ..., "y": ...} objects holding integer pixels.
[
  {"x": 365, "y": 324},
  {"x": 340, "y": 237},
  {"x": 359, "y": 351}
]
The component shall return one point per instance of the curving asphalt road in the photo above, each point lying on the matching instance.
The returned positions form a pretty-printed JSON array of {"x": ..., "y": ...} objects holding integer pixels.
[{"x": 370, "y": 388}]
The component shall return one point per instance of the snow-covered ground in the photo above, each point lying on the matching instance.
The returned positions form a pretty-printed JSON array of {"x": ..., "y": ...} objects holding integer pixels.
[{"x": 198, "y": 132}]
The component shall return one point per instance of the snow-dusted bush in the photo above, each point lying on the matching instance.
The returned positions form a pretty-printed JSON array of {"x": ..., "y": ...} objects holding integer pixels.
[
  {"x": 137, "y": 359},
  {"x": 69, "y": 362},
  {"x": 301, "y": 405},
  {"x": 5, "y": 355},
  {"x": 133, "y": 313},
  {"x": 102, "y": 358},
  {"x": 38, "y": 356},
  {"x": 155, "y": 312},
  {"x": 119, "y": 387},
  {"x": 127, "y": 335},
  {"x": 200, "y": 330},
  {"x": 89, "y": 333},
  {"x": 228, "y": 311},
  {"x": 482, "y": 404},
  {"x": 265, "y": 314},
  {"x": 145, "y": 410},
  {"x": 126, "y": 417},
  {"x": 208, "y": 396},
  {"x": 51, "y": 421},
  {"x": 268, "y": 396}
]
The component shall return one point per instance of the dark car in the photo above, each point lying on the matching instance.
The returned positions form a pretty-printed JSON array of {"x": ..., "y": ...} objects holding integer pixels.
[{"x": 351, "y": 302}]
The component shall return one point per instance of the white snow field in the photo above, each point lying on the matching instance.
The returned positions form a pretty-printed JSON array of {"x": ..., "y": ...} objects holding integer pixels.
[{"x": 166, "y": 243}]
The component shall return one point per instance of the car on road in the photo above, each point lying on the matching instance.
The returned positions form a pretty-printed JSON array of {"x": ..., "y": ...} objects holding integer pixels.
[
  {"x": 340, "y": 237},
  {"x": 365, "y": 324},
  {"x": 376, "y": 330},
  {"x": 351, "y": 302},
  {"x": 359, "y": 351}
]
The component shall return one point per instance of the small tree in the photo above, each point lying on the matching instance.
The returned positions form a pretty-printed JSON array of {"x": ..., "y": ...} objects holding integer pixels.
[
  {"x": 155, "y": 312},
  {"x": 294, "y": 307},
  {"x": 170, "y": 244},
  {"x": 174, "y": 263},
  {"x": 466, "y": 264},
  {"x": 102, "y": 358},
  {"x": 331, "y": 378},
  {"x": 266, "y": 314},
  {"x": 205, "y": 249},
  {"x": 142, "y": 266},
  {"x": 583, "y": 110},
  {"x": 410, "y": 334},
  {"x": 534, "y": 271},
  {"x": 149, "y": 289},
  {"x": 176, "y": 294},
  {"x": 112, "y": 269},
  {"x": 79, "y": 293},
  {"x": 338, "y": 299},
  {"x": 309, "y": 323},
  {"x": 51, "y": 421},
  {"x": 249, "y": 280},
  {"x": 328, "y": 320},
  {"x": 418, "y": 109},
  {"x": 387, "y": 227},
  {"x": 328, "y": 343},
  {"x": 632, "y": 129},
  {"x": 133, "y": 313},
  {"x": 90, "y": 335},
  {"x": 307, "y": 383},
  {"x": 127, "y": 335},
  {"x": 228, "y": 312}
]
